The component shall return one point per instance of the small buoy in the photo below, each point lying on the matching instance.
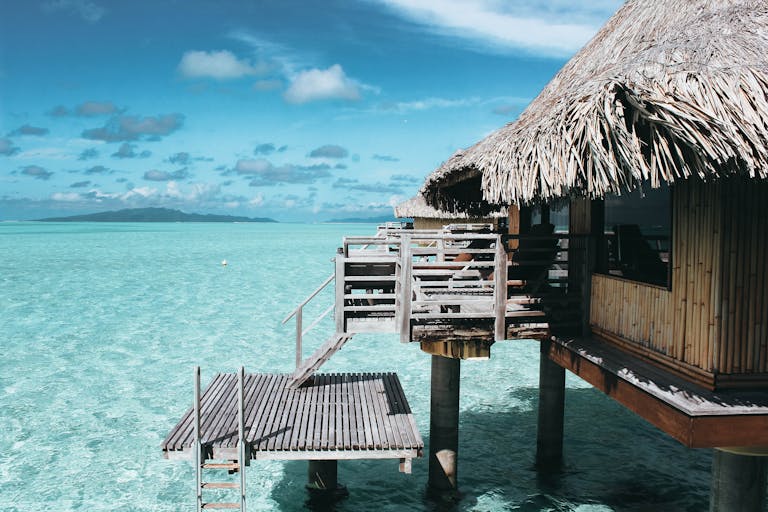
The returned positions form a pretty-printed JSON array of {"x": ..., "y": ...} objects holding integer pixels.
[{"x": 223, "y": 263}]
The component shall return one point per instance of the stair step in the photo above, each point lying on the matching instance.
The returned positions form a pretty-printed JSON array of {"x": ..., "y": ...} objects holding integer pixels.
[
  {"x": 221, "y": 505},
  {"x": 316, "y": 360},
  {"x": 221, "y": 465},
  {"x": 220, "y": 485}
]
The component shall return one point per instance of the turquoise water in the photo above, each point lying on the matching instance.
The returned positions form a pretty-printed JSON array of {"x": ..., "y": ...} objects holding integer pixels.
[{"x": 102, "y": 324}]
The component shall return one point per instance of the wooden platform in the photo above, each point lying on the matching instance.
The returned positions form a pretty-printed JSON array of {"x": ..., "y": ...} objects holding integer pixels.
[
  {"x": 333, "y": 416},
  {"x": 694, "y": 415}
]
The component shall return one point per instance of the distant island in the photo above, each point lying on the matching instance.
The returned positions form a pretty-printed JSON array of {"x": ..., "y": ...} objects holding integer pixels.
[
  {"x": 364, "y": 220},
  {"x": 153, "y": 215}
]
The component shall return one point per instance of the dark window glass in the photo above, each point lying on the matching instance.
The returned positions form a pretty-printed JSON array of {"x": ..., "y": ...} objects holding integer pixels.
[{"x": 638, "y": 237}]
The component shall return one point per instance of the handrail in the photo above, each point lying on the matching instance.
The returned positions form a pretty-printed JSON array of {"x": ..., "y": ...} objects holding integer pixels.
[
  {"x": 318, "y": 319},
  {"x": 309, "y": 298},
  {"x": 298, "y": 313}
]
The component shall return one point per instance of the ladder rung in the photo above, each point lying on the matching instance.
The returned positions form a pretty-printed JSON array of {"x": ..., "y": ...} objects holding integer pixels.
[
  {"x": 220, "y": 485},
  {"x": 221, "y": 505},
  {"x": 221, "y": 465}
]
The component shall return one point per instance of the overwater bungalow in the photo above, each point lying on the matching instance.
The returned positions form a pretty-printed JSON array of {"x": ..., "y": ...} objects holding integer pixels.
[
  {"x": 427, "y": 217},
  {"x": 656, "y": 134},
  {"x": 651, "y": 142}
]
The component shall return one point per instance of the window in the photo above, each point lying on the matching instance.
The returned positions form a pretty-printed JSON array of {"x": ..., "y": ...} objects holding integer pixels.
[{"x": 637, "y": 236}]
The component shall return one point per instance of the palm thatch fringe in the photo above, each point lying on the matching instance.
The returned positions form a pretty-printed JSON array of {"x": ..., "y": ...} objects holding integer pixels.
[
  {"x": 417, "y": 207},
  {"x": 665, "y": 91}
]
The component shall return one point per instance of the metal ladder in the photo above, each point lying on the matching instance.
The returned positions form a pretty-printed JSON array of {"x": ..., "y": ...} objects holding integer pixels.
[{"x": 235, "y": 466}]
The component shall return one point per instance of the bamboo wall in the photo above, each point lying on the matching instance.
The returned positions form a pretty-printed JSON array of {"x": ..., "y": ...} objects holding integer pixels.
[
  {"x": 741, "y": 316},
  {"x": 635, "y": 311},
  {"x": 715, "y": 316}
]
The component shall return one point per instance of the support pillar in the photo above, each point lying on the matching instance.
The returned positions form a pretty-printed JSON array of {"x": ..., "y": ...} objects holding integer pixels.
[
  {"x": 738, "y": 482},
  {"x": 549, "y": 439},
  {"x": 444, "y": 425},
  {"x": 323, "y": 482}
]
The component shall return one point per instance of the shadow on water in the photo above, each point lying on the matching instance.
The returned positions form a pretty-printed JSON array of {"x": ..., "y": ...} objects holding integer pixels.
[{"x": 614, "y": 461}]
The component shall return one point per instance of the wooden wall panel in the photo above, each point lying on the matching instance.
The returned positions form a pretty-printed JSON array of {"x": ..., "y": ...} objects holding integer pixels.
[
  {"x": 635, "y": 311},
  {"x": 716, "y": 316}
]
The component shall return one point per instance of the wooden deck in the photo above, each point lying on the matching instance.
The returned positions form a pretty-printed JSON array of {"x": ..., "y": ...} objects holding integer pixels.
[
  {"x": 333, "y": 416},
  {"x": 694, "y": 415}
]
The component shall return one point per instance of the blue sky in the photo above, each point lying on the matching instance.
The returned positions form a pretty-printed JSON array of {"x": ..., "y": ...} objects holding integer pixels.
[{"x": 295, "y": 110}]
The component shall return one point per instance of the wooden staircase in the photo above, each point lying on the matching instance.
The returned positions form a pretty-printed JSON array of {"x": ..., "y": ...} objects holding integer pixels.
[{"x": 320, "y": 356}]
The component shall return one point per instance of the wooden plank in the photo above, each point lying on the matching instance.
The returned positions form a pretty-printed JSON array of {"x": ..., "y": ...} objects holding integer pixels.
[
  {"x": 299, "y": 421},
  {"x": 375, "y": 420},
  {"x": 413, "y": 433},
  {"x": 291, "y": 423},
  {"x": 231, "y": 439},
  {"x": 229, "y": 436},
  {"x": 311, "y": 415},
  {"x": 338, "y": 438},
  {"x": 363, "y": 411},
  {"x": 358, "y": 429},
  {"x": 382, "y": 416},
  {"x": 212, "y": 424},
  {"x": 210, "y": 410},
  {"x": 389, "y": 411},
  {"x": 368, "y": 279},
  {"x": 271, "y": 425},
  {"x": 264, "y": 384},
  {"x": 331, "y": 413},
  {"x": 396, "y": 413},
  {"x": 181, "y": 435},
  {"x": 282, "y": 425},
  {"x": 322, "y": 387},
  {"x": 346, "y": 413},
  {"x": 323, "y": 441},
  {"x": 406, "y": 264}
]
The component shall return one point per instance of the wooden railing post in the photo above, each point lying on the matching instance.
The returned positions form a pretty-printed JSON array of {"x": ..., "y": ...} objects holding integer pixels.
[
  {"x": 500, "y": 291},
  {"x": 241, "y": 433},
  {"x": 340, "y": 282},
  {"x": 406, "y": 274},
  {"x": 299, "y": 314},
  {"x": 197, "y": 448}
]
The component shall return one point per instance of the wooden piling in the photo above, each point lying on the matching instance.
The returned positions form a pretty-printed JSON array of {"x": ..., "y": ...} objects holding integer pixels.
[
  {"x": 549, "y": 434},
  {"x": 738, "y": 482},
  {"x": 444, "y": 425}
]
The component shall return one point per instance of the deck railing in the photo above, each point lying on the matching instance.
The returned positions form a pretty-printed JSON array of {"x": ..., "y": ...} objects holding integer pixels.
[{"x": 401, "y": 278}]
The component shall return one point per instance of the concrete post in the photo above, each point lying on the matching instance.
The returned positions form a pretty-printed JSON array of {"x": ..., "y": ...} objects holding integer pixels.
[
  {"x": 738, "y": 482},
  {"x": 444, "y": 424},
  {"x": 549, "y": 439}
]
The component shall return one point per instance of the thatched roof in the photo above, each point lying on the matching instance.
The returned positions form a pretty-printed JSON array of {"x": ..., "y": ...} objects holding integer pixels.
[
  {"x": 417, "y": 207},
  {"x": 666, "y": 90}
]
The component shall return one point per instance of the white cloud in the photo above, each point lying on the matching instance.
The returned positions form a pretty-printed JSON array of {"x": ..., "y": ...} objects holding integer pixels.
[
  {"x": 257, "y": 200},
  {"x": 89, "y": 11},
  {"x": 193, "y": 192},
  {"x": 68, "y": 197},
  {"x": 322, "y": 84},
  {"x": 430, "y": 103},
  {"x": 142, "y": 192},
  {"x": 221, "y": 65},
  {"x": 552, "y": 27},
  {"x": 249, "y": 167}
]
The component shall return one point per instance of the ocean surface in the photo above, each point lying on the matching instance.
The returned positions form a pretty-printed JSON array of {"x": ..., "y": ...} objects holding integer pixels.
[{"x": 101, "y": 326}]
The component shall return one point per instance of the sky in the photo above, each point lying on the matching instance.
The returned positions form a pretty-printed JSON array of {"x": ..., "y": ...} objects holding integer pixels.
[{"x": 302, "y": 111}]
